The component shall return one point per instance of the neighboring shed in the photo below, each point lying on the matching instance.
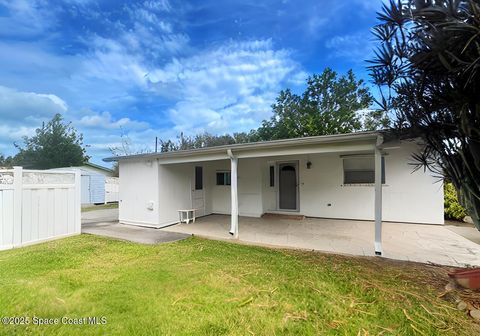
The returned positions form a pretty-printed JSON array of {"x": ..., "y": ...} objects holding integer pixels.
[{"x": 92, "y": 185}]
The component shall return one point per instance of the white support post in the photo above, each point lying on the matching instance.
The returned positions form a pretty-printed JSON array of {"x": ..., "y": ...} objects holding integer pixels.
[
  {"x": 378, "y": 198},
  {"x": 17, "y": 204},
  {"x": 78, "y": 201},
  {"x": 234, "y": 195}
]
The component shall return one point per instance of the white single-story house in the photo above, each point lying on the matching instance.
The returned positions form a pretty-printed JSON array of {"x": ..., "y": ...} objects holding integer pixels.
[{"x": 361, "y": 176}]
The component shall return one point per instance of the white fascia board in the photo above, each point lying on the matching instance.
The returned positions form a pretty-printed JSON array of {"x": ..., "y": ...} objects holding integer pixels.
[
  {"x": 316, "y": 149},
  {"x": 193, "y": 158}
]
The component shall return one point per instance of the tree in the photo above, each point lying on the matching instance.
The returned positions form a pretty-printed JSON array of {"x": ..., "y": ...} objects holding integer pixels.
[
  {"x": 124, "y": 149},
  {"x": 6, "y": 161},
  {"x": 427, "y": 66},
  {"x": 329, "y": 105},
  {"x": 203, "y": 140},
  {"x": 55, "y": 144}
]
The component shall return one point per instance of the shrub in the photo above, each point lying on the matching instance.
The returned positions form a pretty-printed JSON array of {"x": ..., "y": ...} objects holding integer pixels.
[{"x": 453, "y": 209}]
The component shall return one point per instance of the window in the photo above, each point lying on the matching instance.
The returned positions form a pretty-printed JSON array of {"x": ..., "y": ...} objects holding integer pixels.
[
  {"x": 224, "y": 178},
  {"x": 272, "y": 176},
  {"x": 361, "y": 170},
  {"x": 198, "y": 178}
]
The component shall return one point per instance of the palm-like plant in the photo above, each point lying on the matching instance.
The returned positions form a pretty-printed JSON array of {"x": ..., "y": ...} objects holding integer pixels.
[{"x": 427, "y": 66}]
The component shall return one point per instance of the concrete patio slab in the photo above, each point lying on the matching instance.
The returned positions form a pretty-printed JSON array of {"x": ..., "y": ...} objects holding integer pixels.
[
  {"x": 402, "y": 241},
  {"x": 132, "y": 233}
]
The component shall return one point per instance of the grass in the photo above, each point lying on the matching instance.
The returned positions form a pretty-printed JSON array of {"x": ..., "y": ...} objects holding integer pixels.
[
  {"x": 100, "y": 207},
  {"x": 203, "y": 287}
]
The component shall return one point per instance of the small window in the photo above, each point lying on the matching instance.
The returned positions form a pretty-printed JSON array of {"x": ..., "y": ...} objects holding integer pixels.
[
  {"x": 198, "y": 178},
  {"x": 224, "y": 178},
  {"x": 272, "y": 176},
  {"x": 361, "y": 170}
]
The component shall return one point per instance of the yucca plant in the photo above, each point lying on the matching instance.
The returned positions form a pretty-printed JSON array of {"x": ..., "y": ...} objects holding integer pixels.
[{"x": 427, "y": 67}]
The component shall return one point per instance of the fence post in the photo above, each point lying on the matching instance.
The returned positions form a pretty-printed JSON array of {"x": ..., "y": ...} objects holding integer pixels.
[
  {"x": 17, "y": 205},
  {"x": 78, "y": 202}
]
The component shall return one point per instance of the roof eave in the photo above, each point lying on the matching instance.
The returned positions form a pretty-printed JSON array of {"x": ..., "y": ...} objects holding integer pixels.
[{"x": 371, "y": 135}]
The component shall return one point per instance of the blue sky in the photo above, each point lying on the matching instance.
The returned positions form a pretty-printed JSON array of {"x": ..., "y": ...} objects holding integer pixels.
[{"x": 161, "y": 67}]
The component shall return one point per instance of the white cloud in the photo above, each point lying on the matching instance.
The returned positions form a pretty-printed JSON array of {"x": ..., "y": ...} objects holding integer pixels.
[
  {"x": 354, "y": 47},
  {"x": 106, "y": 121},
  {"x": 29, "y": 17},
  {"x": 158, "y": 5},
  {"x": 225, "y": 89},
  {"x": 18, "y": 106}
]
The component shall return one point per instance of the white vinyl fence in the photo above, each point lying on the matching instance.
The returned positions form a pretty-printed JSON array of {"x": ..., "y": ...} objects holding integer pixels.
[
  {"x": 111, "y": 189},
  {"x": 37, "y": 205}
]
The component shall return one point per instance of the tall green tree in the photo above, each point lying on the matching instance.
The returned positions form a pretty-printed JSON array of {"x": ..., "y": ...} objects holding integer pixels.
[
  {"x": 6, "y": 161},
  {"x": 330, "y": 104},
  {"x": 55, "y": 144},
  {"x": 427, "y": 66}
]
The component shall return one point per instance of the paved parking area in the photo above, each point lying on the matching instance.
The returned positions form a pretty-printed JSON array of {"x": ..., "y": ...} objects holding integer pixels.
[{"x": 401, "y": 241}]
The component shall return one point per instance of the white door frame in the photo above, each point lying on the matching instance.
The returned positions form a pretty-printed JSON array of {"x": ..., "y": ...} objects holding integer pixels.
[
  {"x": 202, "y": 211},
  {"x": 294, "y": 163}
]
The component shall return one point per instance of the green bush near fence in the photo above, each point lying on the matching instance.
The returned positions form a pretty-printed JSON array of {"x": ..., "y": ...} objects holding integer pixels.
[{"x": 453, "y": 209}]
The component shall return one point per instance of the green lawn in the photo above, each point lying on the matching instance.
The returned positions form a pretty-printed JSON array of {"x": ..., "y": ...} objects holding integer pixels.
[
  {"x": 203, "y": 287},
  {"x": 100, "y": 207}
]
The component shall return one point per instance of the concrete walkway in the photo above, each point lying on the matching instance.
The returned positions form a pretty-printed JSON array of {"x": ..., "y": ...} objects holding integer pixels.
[
  {"x": 402, "y": 241},
  {"x": 132, "y": 233},
  {"x": 104, "y": 215}
]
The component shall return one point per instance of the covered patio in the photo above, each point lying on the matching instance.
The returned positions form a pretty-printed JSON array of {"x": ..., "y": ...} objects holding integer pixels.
[
  {"x": 402, "y": 241},
  {"x": 362, "y": 177}
]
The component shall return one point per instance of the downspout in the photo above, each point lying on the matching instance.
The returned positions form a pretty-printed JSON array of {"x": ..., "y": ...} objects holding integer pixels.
[
  {"x": 234, "y": 194},
  {"x": 378, "y": 196}
]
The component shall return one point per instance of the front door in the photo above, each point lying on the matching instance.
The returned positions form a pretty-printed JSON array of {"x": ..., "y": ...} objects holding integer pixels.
[
  {"x": 287, "y": 186},
  {"x": 198, "y": 192}
]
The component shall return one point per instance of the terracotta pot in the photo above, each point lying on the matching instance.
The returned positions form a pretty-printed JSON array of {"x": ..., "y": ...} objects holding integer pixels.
[{"x": 467, "y": 278}]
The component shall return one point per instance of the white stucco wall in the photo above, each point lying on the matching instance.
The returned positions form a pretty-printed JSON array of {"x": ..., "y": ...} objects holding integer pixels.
[
  {"x": 407, "y": 196},
  {"x": 138, "y": 186},
  {"x": 249, "y": 188},
  {"x": 175, "y": 184}
]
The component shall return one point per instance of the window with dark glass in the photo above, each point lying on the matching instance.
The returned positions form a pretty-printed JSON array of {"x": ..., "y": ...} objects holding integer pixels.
[
  {"x": 198, "y": 178},
  {"x": 272, "y": 176},
  {"x": 361, "y": 170},
  {"x": 224, "y": 178}
]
